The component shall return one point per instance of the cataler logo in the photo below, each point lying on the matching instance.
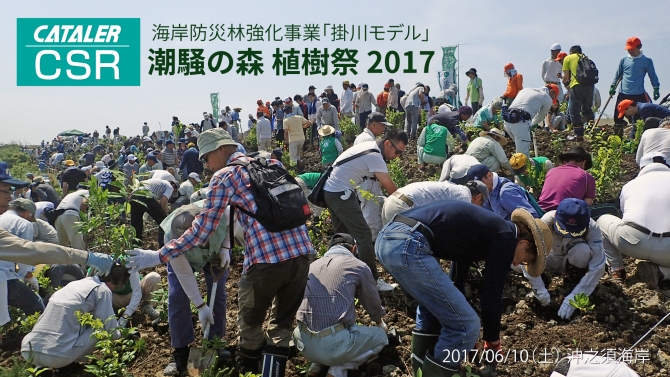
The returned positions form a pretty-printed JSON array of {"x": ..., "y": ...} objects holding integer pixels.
[{"x": 78, "y": 52}]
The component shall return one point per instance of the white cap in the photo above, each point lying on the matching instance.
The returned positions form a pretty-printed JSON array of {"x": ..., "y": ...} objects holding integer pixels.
[
  {"x": 146, "y": 138},
  {"x": 648, "y": 158},
  {"x": 555, "y": 47},
  {"x": 194, "y": 176},
  {"x": 131, "y": 157},
  {"x": 100, "y": 165}
]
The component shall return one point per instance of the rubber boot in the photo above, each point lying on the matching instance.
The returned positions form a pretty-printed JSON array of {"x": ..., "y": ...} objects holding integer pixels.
[
  {"x": 433, "y": 368},
  {"x": 250, "y": 360},
  {"x": 274, "y": 361},
  {"x": 421, "y": 343}
]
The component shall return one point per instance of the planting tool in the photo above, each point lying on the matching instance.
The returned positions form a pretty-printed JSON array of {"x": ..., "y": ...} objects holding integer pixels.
[
  {"x": 200, "y": 359},
  {"x": 535, "y": 143},
  {"x": 644, "y": 336},
  {"x": 604, "y": 107}
]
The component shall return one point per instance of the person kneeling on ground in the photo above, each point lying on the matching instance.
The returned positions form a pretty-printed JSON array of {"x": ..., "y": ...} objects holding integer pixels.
[
  {"x": 434, "y": 144},
  {"x": 539, "y": 166},
  {"x": 327, "y": 333},
  {"x": 488, "y": 150},
  {"x": 58, "y": 339},
  {"x": 577, "y": 250},
  {"x": 504, "y": 195},
  {"x": 643, "y": 233},
  {"x": 182, "y": 286},
  {"x": 410, "y": 246},
  {"x": 137, "y": 290}
]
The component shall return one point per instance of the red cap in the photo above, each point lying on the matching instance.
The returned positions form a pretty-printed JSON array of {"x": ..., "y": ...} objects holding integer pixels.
[
  {"x": 623, "y": 105},
  {"x": 632, "y": 43},
  {"x": 508, "y": 66},
  {"x": 553, "y": 88},
  {"x": 387, "y": 86},
  {"x": 259, "y": 102},
  {"x": 560, "y": 56}
]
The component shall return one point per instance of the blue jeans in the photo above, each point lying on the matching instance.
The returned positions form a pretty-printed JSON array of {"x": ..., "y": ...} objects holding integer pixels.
[
  {"x": 442, "y": 309},
  {"x": 179, "y": 308}
]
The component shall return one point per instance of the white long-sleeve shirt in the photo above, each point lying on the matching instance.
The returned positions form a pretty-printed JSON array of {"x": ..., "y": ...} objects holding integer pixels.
[
  {"x": 561, "y": 245},
  {"x": 654, "y": 140},
  {"x": 22, "y": 228},
  {"x": 347, "y": 101},
  {"x": 550, "y": 70},
  {"x": 57, "y": 330},
  {"x": 263, "y": 129},
  {"x": 534, "y": 101},
  {"x": 641, "y": 197}
]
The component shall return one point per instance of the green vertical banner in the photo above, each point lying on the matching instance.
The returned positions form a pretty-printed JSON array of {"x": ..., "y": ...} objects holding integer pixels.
[
  {"x": 448, "y": 74},
  {"x": 214, "y": 97}
]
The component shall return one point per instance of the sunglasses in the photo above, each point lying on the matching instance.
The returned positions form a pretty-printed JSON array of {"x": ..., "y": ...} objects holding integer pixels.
[
  {"x": 203, "y": 159},
  {"x": 398, "y": 152}
]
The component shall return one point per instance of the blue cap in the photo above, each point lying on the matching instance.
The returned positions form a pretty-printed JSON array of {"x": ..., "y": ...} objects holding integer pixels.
[
  {"x": 572, "y": 218},
  {"x": 169, "y": 142},
  {"x": 278, "y": 153},
  {"x": 182, "y": 140},
  {"x": 151, "y": 156},
  {"x": 7, "y": 179},
  {"x": 477, "y": 172}
]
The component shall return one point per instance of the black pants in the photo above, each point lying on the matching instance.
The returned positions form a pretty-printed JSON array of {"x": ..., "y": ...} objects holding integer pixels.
[
  {"x": 475, "y": 106},
  {"x": 137, "y": 211},
  {"x": 581, "y": 107}
]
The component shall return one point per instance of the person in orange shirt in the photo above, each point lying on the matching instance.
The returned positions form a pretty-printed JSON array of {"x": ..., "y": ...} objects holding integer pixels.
[
  {"x": 382, "y": 98},
  {"x": 514, "y": 83},
  {"x": 262, "y": 108}
]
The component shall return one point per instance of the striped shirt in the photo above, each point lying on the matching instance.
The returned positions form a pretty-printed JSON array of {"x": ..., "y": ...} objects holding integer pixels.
[
  {"x": 169, "y": 157},
  {"x": 158, "y": 188},
  {"x": 232, "y": 186},
  {"x": 335, "y": 281}
]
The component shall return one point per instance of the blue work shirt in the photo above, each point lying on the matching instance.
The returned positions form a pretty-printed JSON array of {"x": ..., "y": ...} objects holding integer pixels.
[
  {"x": 235, "y": 116},
  {"x": 191, "y": 162},
  {"x": 632, "y": 72},
  {"x": 507, "y": 196},
  {"x": 648, "y": 110}
]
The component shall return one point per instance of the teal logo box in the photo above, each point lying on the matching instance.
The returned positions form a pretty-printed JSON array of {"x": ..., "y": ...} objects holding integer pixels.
[{"x": 78, "y": 51}]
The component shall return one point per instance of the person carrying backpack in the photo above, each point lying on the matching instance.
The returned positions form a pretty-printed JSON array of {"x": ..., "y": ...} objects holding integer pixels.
[
  {"x": 580, "y": 75},
  {"x": 284, "y": 254}
]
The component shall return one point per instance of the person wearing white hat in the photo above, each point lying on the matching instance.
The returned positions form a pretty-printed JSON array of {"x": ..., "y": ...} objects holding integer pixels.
[
  {"x": 455, "y": 169},
  {"x": 131, "y": 167},
  {"x": 552, "y": 70},
  {"x": 186, "y": 189}
]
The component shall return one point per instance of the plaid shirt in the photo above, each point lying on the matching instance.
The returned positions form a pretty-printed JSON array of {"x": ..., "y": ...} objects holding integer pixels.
[{"x": 232, "y": 186}]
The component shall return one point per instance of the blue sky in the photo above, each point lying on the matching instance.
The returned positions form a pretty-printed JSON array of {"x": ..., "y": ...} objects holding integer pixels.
[{"x": 492, "y": 33}]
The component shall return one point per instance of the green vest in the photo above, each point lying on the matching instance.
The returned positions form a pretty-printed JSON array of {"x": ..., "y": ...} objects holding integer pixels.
[
  {"x": 328, "y": 150},
  {"x": 199, "y": 257},
  {"x": 310, "y": 179},
  {"x": 436, "y": 140},
  {"x": 537, "y": 166}
]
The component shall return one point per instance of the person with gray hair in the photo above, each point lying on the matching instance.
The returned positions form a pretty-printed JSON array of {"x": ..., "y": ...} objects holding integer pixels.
[
  {"x": 411, "y": 102},
  {"x": 488, "y": 116}
]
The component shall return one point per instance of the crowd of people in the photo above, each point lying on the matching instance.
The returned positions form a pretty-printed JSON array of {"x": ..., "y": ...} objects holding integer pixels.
[{"x": 480, "y": 210}]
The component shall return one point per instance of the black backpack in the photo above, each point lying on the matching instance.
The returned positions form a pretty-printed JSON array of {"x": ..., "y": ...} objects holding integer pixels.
[
  {"x": 280, "y": 200},
  {"x": 586, "y": 73}
]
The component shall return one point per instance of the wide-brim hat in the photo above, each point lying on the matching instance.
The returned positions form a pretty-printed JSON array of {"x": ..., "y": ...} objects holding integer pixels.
[
  {"x": 497, "y": 134},
  {"x": 577, "y": 152},
  {"x": 543, "y": 239},
  {"x": 237, "y": 108},
  {"x": 471, "y": 70},
  {"x": 326, "y": 130},
  {"x": 212, "y": 139}
]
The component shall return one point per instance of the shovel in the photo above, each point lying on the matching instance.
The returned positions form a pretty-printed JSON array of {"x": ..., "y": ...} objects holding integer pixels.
[{"x": 201, "y": 359}]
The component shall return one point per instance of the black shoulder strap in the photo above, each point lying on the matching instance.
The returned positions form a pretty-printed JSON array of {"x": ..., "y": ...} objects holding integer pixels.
[{"x": 357, "y": 155}]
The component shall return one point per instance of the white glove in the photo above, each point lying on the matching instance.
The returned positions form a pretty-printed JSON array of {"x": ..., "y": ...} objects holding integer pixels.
[
  {"x": 383, "y": 326},
  {"x": 224, "y": 254},
  {"x": 205, "y": 316},
  {"x": 123, "y": 322},
  {"x": 34, "y": 284},
  {"x": 542, "y": 295},
  {"x": 141, "y": 259},
  {"x": 100, "y": 262},
  {"x": 566, "y": 309}
]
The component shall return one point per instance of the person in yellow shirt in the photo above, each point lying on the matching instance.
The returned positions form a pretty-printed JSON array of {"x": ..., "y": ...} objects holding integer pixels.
[{"x": 581, "y": 94}]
